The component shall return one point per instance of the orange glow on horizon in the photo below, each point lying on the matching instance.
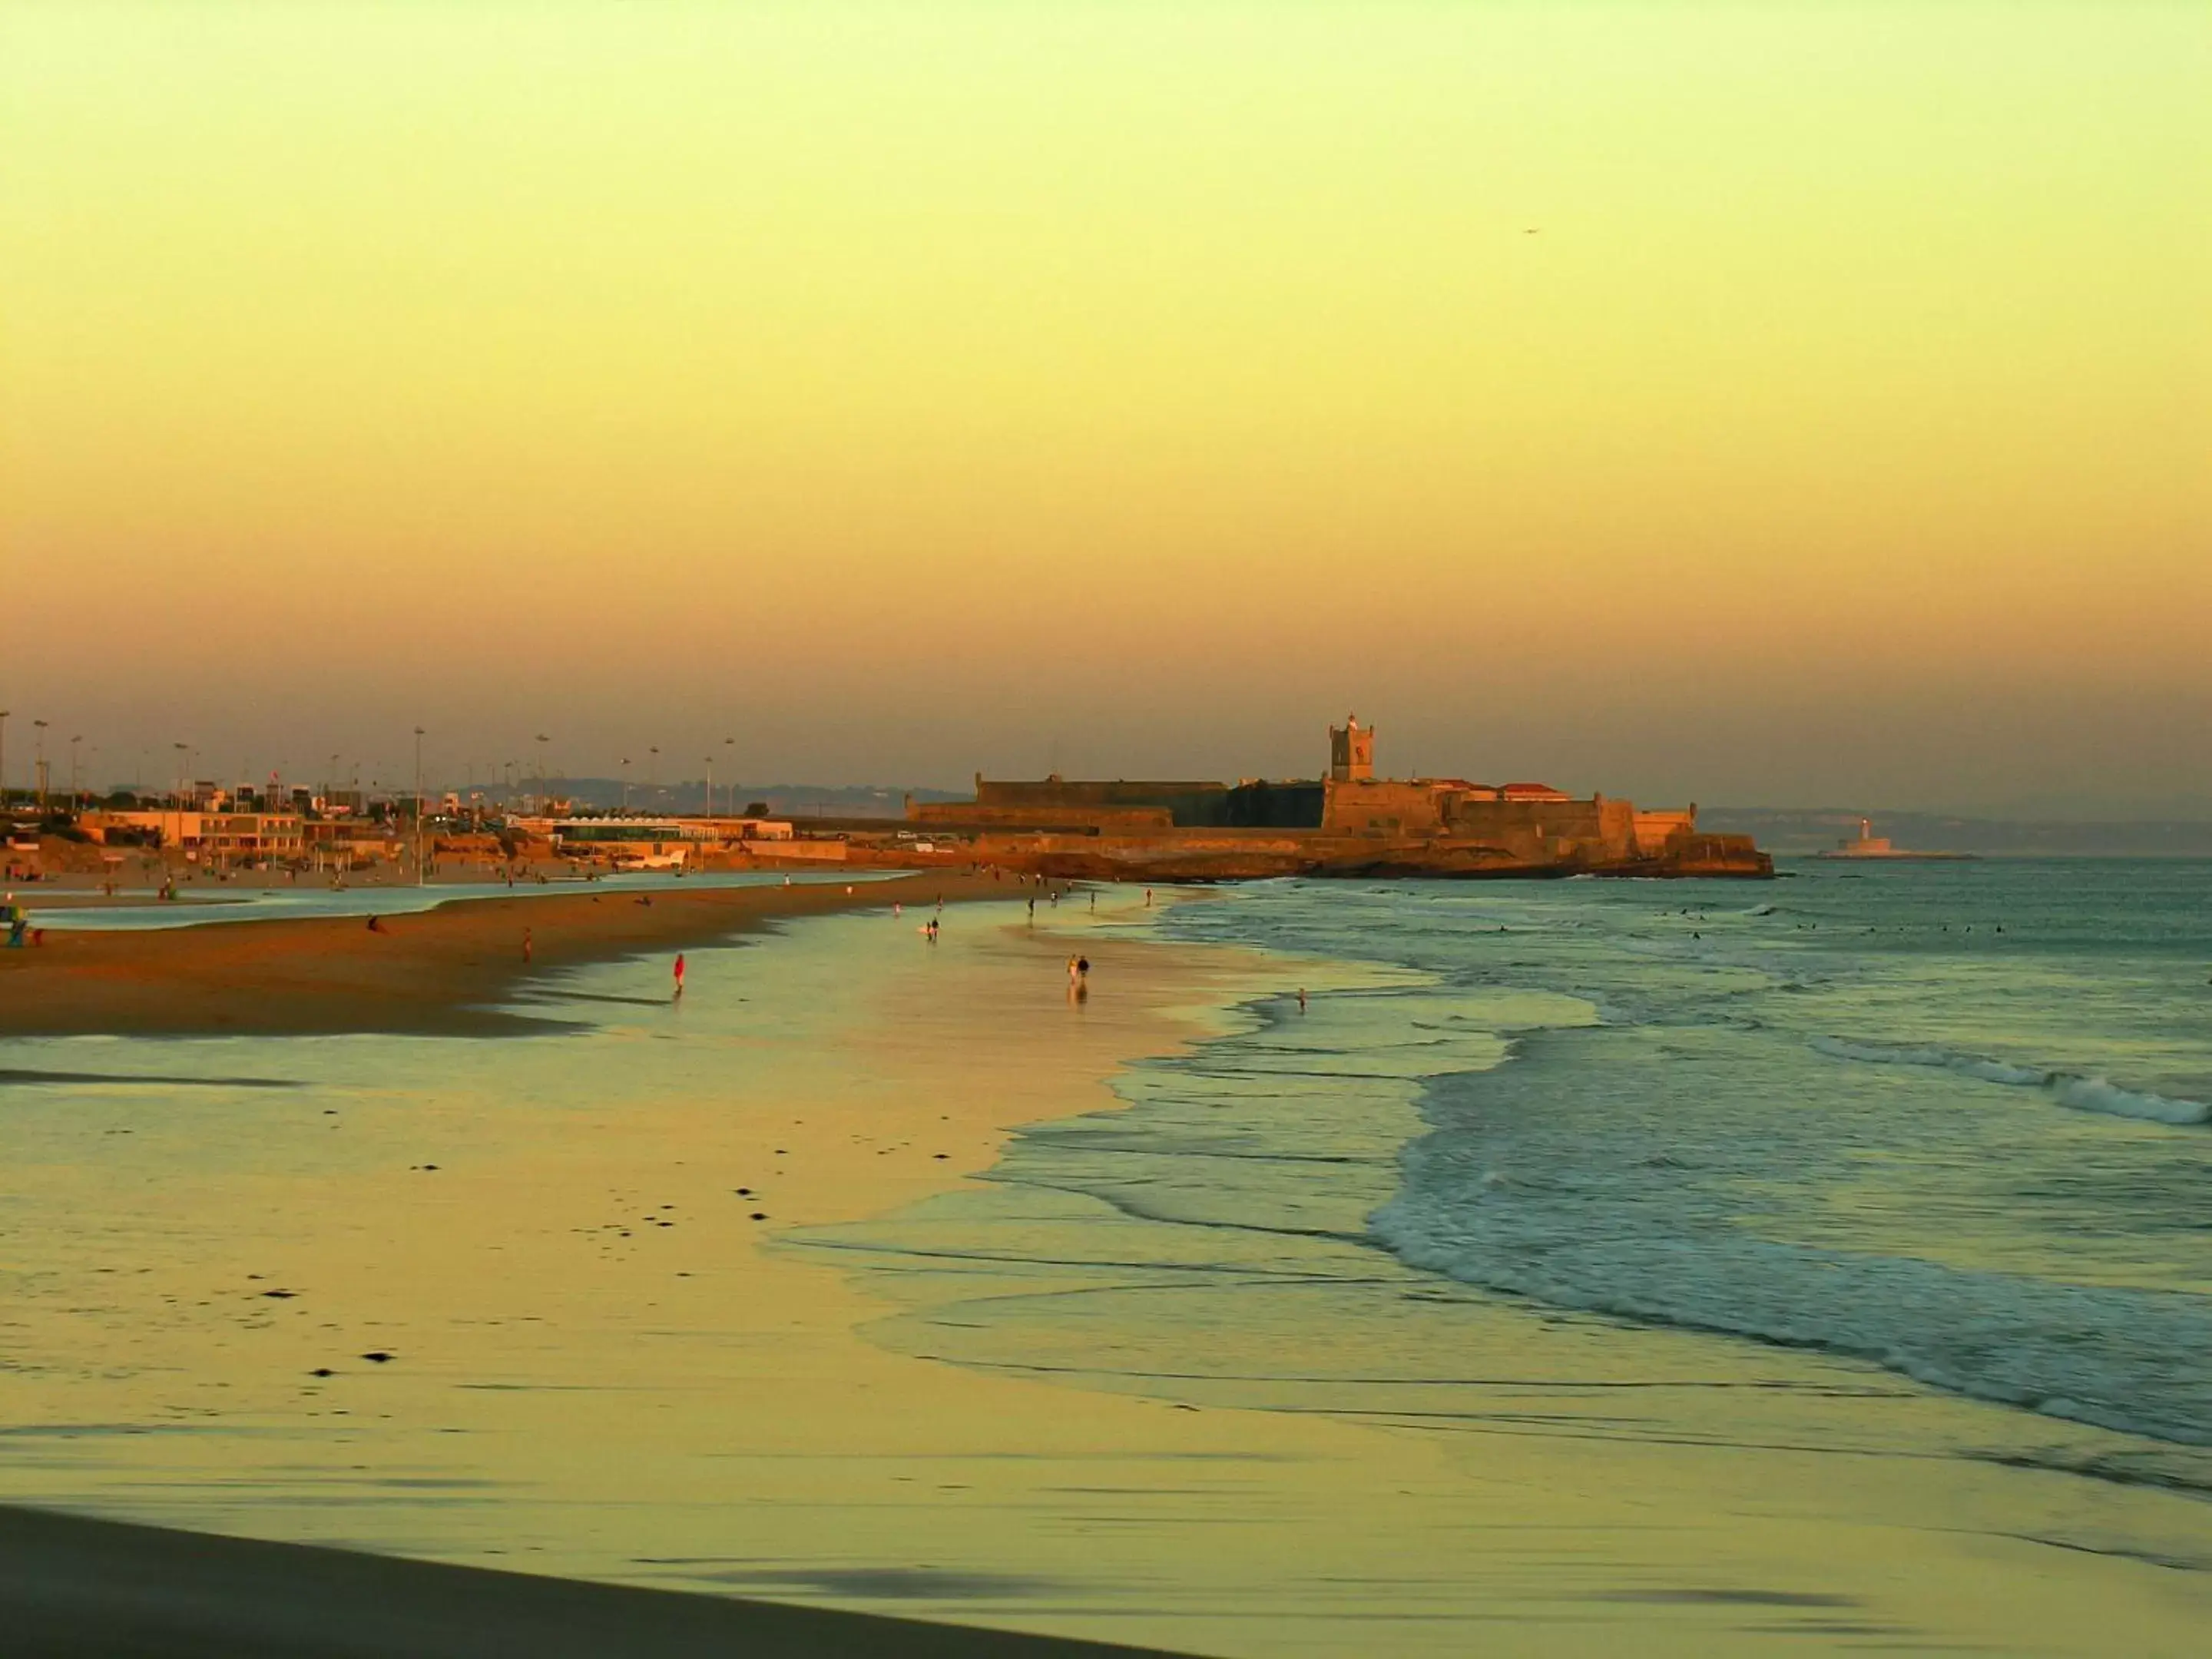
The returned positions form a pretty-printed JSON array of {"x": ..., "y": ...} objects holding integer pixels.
[{"x": 1679, "y": 400}]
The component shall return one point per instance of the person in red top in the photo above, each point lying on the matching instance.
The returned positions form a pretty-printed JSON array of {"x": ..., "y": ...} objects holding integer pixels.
[{"x": 679, "y": 973}]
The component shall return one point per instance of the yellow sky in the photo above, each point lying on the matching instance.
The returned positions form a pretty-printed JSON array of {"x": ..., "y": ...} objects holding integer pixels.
[{"x": 914, "y": 388}]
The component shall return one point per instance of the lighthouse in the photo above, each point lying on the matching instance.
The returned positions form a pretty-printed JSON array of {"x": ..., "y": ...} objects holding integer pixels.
[{"x": 1350, "y": 751}]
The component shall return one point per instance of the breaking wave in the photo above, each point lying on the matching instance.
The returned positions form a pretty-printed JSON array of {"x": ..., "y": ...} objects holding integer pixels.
[
  {"x": 2084, "y": 1094},
  {"x": 1541, "y": 1180},
  {"x": 2016, "y": 1341}
]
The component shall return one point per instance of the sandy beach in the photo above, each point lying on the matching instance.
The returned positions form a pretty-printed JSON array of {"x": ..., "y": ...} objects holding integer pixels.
[
  {"x": 436, "y": 971},
  {"x": 760, "y": 1295}
]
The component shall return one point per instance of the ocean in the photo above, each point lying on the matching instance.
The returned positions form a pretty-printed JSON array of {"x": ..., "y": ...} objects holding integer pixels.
[{"x": 1948, "y": 1118}]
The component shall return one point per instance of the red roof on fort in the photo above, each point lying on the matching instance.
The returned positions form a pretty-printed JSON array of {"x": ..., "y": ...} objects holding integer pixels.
[{"x": 1532, "y": 789}]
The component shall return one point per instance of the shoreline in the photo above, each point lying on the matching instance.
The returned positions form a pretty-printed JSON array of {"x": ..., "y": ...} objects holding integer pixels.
[
  {"x": 443, "y": 971},
  {"x": 918, "y": 1377}
]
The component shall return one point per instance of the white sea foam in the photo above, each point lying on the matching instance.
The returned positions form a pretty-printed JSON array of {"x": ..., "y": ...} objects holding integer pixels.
[
  {"x": 2094, "y": 1093},
  {"x": 2086, "y": 1094},
  {"x": 1661, "y": 1166}
]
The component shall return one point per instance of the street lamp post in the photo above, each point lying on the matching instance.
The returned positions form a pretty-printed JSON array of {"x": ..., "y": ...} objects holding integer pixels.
[
  {"x": 625, "y": 775},
  {"x": 39, "y": 761},
  {"x": 710, "y": 785},
  {"x": 183, "y": 766},
  {"x": 418, "y": 806},
  {"x": 73, "y": 743},
  {"x": 543, "y": 805},
  {"x": 3, "y": 760}
]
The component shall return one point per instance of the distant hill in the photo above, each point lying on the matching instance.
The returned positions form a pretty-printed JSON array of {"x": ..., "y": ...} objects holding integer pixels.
[{"x": 1810, "y": 829}]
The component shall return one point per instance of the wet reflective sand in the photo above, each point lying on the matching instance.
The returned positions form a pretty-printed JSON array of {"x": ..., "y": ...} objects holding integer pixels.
[{"x": 696, "y": 1295}]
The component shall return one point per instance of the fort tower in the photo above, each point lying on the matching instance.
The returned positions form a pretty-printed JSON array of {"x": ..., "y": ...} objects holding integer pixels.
[{"x": 1350, "y": 751}]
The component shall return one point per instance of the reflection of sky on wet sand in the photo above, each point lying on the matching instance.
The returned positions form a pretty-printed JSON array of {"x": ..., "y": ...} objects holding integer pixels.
[{"x": 595, "y": 1368}]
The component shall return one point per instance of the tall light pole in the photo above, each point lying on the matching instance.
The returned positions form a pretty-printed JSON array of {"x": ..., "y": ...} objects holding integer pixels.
[
  {"x": 179, "y": 797},
  {"x": 625, "y": 777},
  {"x": 653, "y": 769},
  {"x": 3, "y": 759},
  {"x": 710, "y": 785},
  {"x": 418, "y": 806},
  {"x": 731, "y": 743},
  {"x": 542, "y": 741},
  {"x": 73, "y": 743},
  {"x": 39, "y": 767}
]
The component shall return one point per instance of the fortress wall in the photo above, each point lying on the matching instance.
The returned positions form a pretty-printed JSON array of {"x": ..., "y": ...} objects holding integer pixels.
[
  {"x": 1297, "y": 804},
  {"x": 1190, "y": 802},
  {"x": 989, "y": 843},
  {"x": 1607, "y": 826},
  {"x": 1654, "y": 830},
  {"x": 1365, "y": 806},
  {"x": 1617, "y": 828},
  {"x": 1533, "y": 829}
]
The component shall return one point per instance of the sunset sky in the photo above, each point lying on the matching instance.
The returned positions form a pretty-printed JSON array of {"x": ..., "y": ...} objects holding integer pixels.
[{"x": 1805, "y": 403}]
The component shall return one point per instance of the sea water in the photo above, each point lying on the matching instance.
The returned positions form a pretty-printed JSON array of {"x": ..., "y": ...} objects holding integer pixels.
[{"x": 1951, "y": 1119}]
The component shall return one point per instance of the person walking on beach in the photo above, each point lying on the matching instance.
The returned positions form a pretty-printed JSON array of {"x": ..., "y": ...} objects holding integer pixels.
[
  {"x": 679, "y": 976},
  {"x": 1071, "y": 973},
  {"x": 1302, "y": 999},
  {"x": 526, "y": 944},
  {"x": 1032, "y": 913}
]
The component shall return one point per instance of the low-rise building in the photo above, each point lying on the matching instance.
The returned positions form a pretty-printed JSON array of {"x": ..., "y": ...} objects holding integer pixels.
[{"x": 245, "y": 836}]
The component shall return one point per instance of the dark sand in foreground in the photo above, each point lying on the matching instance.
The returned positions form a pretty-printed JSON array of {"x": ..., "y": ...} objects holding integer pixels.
[{"x": 84, "y": 1588}]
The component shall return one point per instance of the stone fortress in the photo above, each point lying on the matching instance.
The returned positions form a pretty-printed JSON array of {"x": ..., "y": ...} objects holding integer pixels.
[{"x": 1349, "y": 823}]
